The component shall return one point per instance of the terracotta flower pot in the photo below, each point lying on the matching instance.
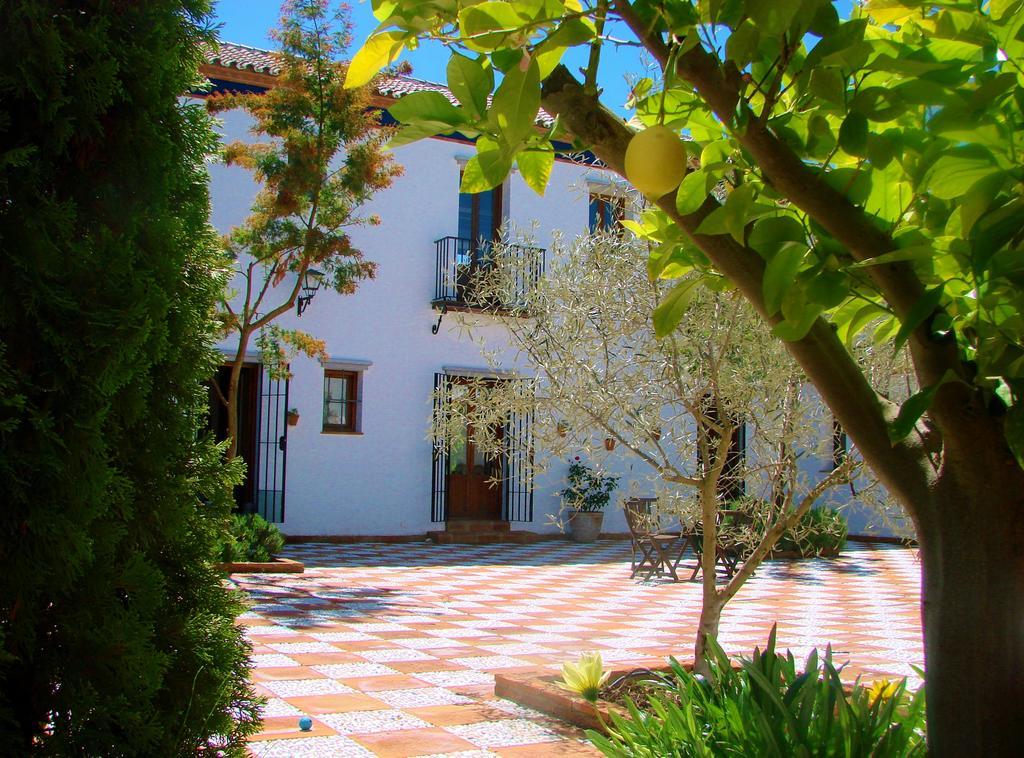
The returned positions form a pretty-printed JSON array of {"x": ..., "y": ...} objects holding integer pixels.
[
  {"x": 585, "y": 526},
  {"x": 293, "y": 418}
]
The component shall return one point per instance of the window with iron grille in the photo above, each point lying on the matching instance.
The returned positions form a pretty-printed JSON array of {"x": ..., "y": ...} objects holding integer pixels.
[{"x": 341, "y": 401}]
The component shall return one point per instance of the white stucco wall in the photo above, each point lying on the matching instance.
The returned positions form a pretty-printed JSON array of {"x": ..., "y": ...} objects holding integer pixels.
[{"x": 378, "y": 482}]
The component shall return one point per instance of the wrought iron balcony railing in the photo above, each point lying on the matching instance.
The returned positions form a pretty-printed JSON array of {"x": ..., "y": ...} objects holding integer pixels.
[{"x": 463, "y": 264}]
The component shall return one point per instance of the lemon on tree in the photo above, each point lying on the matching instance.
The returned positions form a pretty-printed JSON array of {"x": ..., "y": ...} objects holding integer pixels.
[{"x": 655, "y": 161}]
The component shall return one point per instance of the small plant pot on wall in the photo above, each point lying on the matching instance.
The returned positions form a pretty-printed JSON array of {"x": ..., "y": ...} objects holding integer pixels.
[
  {"x": 293, "y": 417},
  {"x": 585, "y": 526}
]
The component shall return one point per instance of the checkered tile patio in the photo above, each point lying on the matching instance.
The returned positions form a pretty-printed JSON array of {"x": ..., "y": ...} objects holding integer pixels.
[{"x": 392, "y": 649}]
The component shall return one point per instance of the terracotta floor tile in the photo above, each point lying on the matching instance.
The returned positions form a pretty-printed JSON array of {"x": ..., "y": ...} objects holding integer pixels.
[
  {"x": 448, "y": 715},
  {"x": 285, "y": 672},
  {"x": 411, "y": 742},
  {"x": 458, "y": 652},
  {"x": 565, "y": 747},
  {"x": 376, "y": 683},
  {"x": 539, "y": 605},
  {"x": 320, "y": 659},
  {"x": 341, "y": 703},
  {"x": 479, "y": 691},
  {"x": 287, "y": 727},
  {"x": 415, "y": 667},
  {"x": 357, "y": 645}
]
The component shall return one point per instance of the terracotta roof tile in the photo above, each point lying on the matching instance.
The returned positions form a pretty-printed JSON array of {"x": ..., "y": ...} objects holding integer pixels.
[{"x": 233, "y": 55}]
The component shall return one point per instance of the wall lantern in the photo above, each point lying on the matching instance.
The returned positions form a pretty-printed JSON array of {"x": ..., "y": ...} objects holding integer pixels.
[{"x": 310, "y": 284}]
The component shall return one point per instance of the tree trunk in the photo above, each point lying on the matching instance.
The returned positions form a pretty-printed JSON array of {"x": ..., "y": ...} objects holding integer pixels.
[
  {"x": 969, "y": 518},
  {"x": 707, "y": 627},
  {"x": 712, "y": 601},
  {"x": 973, "y": 604},
  {"x": 233, "y": 382}
]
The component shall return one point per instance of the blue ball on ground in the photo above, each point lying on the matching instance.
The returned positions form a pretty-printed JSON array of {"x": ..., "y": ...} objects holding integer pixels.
[{"x": 305, "y": 723}]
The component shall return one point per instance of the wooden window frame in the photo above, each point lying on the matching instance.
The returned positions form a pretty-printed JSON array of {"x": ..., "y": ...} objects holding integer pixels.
[{"x": 354, "y": 426}]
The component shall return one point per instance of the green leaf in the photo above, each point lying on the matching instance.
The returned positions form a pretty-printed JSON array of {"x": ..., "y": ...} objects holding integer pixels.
[
  {"x": 673, "y": 306},
  {"x": 414, "y": 132},
  {"x": 829, "y": 84},
  {"x": 484, "y": 27},
  {"x": 485, "y": 170},
  {"x": 737, "y": 207},
  {"x": 956, "y": 170},
  {"x": 535, "y": 166},
  {"x": 692, "y": 192},
  {"x": 835, "y": 49},
  {"x": 471, "y": 82},
  {"x": 921, "y": 310},
  {"x": 912, "y": 253},
  {"x": 741, "y": 47},
  {"x": 795, "y": 329},
  {"x": 772, "y": 233},
  {"x": 878, "y": 103},
  {"x": 915, "y": 407},
  {"x": 569, "y": 33},
  {"x": 426, "y": 106},
  {"x": 853, "y": 134},
  {"x": 380, "y": 50},
  {"x": 780, "y": 273},
  {"x": 515, "y": 104},
  {"x": 714, "y": 223}
]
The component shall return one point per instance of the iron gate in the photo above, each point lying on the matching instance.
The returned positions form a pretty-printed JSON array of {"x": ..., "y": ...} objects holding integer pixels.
[
  {"x": 271, "y": 447},
  {"x": 516, "y": 468}
]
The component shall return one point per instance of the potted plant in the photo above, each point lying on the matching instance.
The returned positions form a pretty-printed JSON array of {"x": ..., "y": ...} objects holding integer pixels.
[
  {"x": 293, "y": 416},
  {"x": 585, "y": 498}
]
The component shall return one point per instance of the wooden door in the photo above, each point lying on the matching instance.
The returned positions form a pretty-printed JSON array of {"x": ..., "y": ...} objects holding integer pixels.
[
  {"x": 248, "y": 411},
  {"x": 474, "y": 486}
]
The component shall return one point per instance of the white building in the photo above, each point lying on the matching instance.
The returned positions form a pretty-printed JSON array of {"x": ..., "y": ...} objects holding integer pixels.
[{"x": 359, "y": 462}]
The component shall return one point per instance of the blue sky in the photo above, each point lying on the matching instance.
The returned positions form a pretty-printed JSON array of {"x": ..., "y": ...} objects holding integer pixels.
[{"x": 248, "y": 21}]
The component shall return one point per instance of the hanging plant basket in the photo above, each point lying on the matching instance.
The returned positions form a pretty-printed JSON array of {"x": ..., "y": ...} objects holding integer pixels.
[{"x": 292, "y": 417}]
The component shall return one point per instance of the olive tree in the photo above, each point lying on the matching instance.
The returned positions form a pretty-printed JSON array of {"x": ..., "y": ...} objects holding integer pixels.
[
  {"x": 874, "y": 183},
  {"x": 676, "y": 404}
]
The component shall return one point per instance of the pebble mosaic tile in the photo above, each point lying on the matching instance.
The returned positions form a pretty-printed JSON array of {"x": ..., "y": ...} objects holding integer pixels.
[{"x": 432, "y": 625}]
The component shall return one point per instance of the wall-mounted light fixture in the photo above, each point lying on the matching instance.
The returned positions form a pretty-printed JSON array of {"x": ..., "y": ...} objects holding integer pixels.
[{"x": 310, "y": 284}]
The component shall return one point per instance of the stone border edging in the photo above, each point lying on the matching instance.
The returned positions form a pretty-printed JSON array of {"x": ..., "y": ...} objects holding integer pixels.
[
  {"x": 538, "y": 690},
  {"x": 276, "y": 566}
]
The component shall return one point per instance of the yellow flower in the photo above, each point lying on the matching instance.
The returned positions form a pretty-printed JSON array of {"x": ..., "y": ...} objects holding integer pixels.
[
  {"x": 585, "y": 677},
  {"x": 882, "y": 689}
]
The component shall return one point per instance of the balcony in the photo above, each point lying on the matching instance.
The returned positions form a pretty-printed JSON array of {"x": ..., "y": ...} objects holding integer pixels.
[{"x": 463, "y": 265}]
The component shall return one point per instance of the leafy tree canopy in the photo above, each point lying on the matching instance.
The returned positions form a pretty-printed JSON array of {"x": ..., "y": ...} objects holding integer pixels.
[{"x": 906, "y": 117}]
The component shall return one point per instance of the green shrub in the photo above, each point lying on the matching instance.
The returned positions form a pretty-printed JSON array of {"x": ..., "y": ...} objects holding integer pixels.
[
  {"x": 251, "y": 539},
  {"x": 768, "y": 708},
  {"x": 117, "y": 634},
  {"x": 820, "y": 530}
]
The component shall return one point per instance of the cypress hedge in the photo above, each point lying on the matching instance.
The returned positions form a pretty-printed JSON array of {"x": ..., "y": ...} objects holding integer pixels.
[{"x": 116, "y": 633}]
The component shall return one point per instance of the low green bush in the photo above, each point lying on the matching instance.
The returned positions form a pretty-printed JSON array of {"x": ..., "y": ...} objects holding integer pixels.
[
  {"x": 251, "y": 539},
  {"x": 768, "y": 708},
  {"x": 821, "y": 530}
]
